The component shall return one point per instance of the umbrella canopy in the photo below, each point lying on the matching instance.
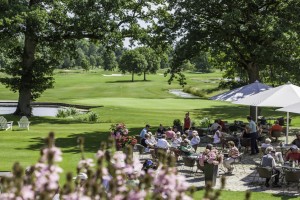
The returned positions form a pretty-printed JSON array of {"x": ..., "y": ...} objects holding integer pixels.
[
  {"x": 242, "y": 92},
  {"x": 280, "y": 96},
  {"x": 294, "y": 108}
]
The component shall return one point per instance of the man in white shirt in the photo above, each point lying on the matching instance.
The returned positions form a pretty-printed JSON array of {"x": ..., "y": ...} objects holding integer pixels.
[
  {"x": 269, "y": 161},
  {"x": 144, "y": 131},
  {"x": 163, "y": 143},
  {"x": 253, "y": 136}
]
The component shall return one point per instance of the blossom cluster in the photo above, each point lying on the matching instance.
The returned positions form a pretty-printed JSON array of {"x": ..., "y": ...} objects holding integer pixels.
[{"x": 210, "y": 156}]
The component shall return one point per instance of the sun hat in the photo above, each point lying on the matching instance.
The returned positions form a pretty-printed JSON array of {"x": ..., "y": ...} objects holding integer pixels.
[
  {"x": 81, "y": 176},
  {"x": 294, "y": 147}
]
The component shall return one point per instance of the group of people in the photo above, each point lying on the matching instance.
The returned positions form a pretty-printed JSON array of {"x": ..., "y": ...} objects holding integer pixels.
[{"x": 171, "y": 139}]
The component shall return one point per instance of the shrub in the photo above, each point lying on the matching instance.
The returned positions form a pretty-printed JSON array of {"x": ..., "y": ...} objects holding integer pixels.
[
  {"x": 93, "y": 117},
  {"x": 177, "y": 122}
]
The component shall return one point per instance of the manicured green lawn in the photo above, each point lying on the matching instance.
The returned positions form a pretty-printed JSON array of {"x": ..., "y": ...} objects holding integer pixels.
[{"x": 119, "y": 100}]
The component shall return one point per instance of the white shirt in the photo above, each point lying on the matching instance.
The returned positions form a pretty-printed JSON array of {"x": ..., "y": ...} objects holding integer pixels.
[
  {"x": 216, "y": 137},
  {"x": 176, "y": 142},
  {"x": 195, "y": 140},
  {"x": 162, "y": 143}
]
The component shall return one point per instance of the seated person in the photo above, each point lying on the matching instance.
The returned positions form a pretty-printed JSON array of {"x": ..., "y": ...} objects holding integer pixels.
[
  {"x": 186, "y": 148},
  {"x": 269, "y": 161},
  {"x": 278, "y": 155},
  {"x": 232, "y": 154},
  {"x": 160, "y": 131},
  {"x": 293, "y": 154},
  {"x": 152, "y": 138},
  {"x": 162, "y": 143},
  {"x": 214, "y": 126},
  {"x": 263, "y": 121},
  {"x": 275, "y": 127},
  {"x": 195, "y": 140},
  {"x": 245, "y": 131},
  {"x": 170, "y": 134},
  {"x": 266, "y": 144},
  {"x": 177, "y": 140},
  {"x": 297, "y": 140},
  {"x": 218, "y": 136},
  {"x": 149, "y": 143}
]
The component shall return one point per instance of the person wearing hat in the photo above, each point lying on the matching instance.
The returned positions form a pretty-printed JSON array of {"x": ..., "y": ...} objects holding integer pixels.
[
  {"x": 186, "y": 148},
  {"x": 144, "y": 131},
  {"x": 269, "y": 161},
  {"x": 297, "y": 140},
  {"x": 81, "y": 178},
  {"x": 293, "y": 154}
]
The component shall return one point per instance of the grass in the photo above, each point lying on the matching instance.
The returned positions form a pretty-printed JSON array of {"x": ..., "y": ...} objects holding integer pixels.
[{"x": 120, "y": 100}]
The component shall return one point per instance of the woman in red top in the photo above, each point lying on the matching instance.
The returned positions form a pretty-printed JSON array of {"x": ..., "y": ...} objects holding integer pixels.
[{"x": 187, "y": 122}]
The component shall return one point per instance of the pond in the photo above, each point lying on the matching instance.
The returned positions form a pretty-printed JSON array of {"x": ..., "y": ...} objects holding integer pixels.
[
  {"x": 42, "y": 110},
  {"x": 180, "y": 93}
]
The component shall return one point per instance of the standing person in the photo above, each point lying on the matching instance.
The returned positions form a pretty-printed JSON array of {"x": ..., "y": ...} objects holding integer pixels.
[
  {"x": 253, "y": 136},
  {"x": 297, "y": 140},
  {"x": 187, "y": 122},
  {"x": 144, "y": 131}
]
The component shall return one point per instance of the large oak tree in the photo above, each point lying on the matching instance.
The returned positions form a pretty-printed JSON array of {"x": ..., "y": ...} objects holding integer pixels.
[
  {"x": 258, "y": 37},
  {"x": 35, "y": 34}
]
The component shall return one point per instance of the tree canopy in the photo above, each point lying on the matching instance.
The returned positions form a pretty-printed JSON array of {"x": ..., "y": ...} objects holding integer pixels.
[{"x": 258, "y": 37}]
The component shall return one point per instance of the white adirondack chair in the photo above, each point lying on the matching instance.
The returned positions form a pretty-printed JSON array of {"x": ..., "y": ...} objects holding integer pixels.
[
  {"x": 4, "y": 124},
  {"x": 24, "y": 122}
]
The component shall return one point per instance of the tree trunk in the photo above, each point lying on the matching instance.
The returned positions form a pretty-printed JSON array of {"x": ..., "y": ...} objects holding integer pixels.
[
  {"x": 253, "y": 75},
  {"x": 25, "y": 88},
  {"x": 132, "y": 77},
  {"x": 253, "y": 72},
  {"x": 144, "y": 76}
]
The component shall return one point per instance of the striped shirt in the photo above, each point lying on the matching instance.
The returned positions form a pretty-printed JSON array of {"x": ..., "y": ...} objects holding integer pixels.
[{"x": 234, "y": 152}]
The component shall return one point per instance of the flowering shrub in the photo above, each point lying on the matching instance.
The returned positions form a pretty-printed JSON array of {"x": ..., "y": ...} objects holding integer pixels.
[
  {"x": 114, "y": 176},
  {"x": 211, "y": 157},
  {"x": 125, "y": 141},
  {"x": 118, "y": 130}
]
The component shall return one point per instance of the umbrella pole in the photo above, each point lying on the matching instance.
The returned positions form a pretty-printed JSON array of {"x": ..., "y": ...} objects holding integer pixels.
[
  {"x": 256, "y": 114},
  {"x": 287, "y": 128}
]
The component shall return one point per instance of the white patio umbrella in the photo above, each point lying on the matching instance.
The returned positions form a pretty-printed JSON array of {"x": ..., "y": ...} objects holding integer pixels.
[
  {"x": 293, "y": 108},
  {"x": 280, "y": 96}
]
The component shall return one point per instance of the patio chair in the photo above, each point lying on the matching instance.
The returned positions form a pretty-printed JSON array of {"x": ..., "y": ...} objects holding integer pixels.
[
  {"x": 188, "y": 162},
  {"x": 265, "y": 172},
  {"x": 4, "y": 124},
  {"x": 141, "y": 150},
  {"x": 239, "y": 161},
  {"x": 246, "y": 143},
  {"x": 24, "y": 122},
  {"x": 291, "y": 177},
  {"x": 276, "y": 135}
]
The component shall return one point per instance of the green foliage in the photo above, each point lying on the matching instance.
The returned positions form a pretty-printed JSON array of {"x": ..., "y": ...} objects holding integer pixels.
[
  {"x": 256, "y": 38},
  {"x": 194, "y": 91},
  {"x": 205, "y": 122},
  {"x": 177, "y": 122},
  {"x": 67, "y": 112},
  {"x": 132, "y": 61},
  {"x": 90, "y": 117}
]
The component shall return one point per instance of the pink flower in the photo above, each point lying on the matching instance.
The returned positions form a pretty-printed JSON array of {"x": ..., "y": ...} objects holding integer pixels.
[
  {"x": 99, "y": 154},
  {"x": 27, "y": 192},
  {"x": 56, "y": 153},
  {"x": 86, "y": 163}
]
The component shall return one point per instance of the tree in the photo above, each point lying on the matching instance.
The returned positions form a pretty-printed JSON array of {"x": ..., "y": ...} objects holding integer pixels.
[
  {"x": 254, "y": 36},
  {"x": 134, "y": 62},
  {"x": 35, "y": 35},
  {"x": 109, "y": 60},
  {"x": 153, "y": 60}
]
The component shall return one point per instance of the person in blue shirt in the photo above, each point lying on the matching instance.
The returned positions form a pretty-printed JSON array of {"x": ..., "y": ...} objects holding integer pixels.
[
  {"x": 144, "y": 131},
  {"x": 253, "y": 135}
]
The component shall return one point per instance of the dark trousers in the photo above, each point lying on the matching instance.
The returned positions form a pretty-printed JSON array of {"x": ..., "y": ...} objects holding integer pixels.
[
  {"x": 254, "y": 147},
  {"x": 277, "y": 172}
]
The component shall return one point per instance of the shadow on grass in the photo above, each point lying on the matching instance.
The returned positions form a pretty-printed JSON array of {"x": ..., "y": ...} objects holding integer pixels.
[{"x": 68, "y": 144}]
